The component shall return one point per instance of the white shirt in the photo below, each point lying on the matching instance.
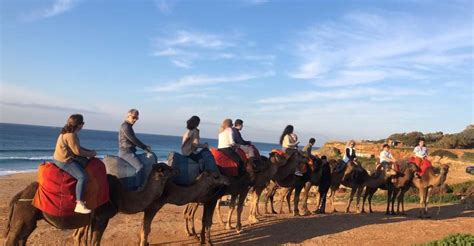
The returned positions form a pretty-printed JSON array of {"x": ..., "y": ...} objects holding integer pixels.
[
  {"x": 385, "y": 156},
  {"x": 290, "y": 141},
  {"x": 421, "y": 152},
  {"x": 226, "y": 139}
]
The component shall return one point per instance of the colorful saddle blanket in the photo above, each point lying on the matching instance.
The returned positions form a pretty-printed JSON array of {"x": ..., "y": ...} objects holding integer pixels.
[
  {"x": 226, "y": 165},
  {"x": 56, "y": 194},
  {"x": 189, "y": 170}
]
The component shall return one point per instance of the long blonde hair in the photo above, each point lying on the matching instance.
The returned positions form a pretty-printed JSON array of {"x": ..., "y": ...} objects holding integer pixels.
[
  {"x": 350, "y": 142},
  {"x": 225, "y": 124}
]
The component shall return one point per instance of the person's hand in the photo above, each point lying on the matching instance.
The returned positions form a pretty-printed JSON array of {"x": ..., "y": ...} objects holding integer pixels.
[{"x": 148, "y": 148}]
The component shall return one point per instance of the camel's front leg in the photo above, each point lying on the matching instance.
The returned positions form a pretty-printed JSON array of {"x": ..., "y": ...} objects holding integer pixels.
[
  {"x": 98, "y": 230},
  {"x": 219, "y": 213},
  {"x": 207, "y": 215},
  {"x": 422, "y": 195},
  {"x": 148, "y": 216},
  {"x": 364, "y": 198},
  {"x": 228, "y": 224},
  {"x": 306, "y": 191},
  {"x": 240, "y": 208},
  {"x": 332, "y": 195},
  {"x": 254, "y": 205},
  {"x": 359, "y": 193},
  {"x": 353, "y": 191}
]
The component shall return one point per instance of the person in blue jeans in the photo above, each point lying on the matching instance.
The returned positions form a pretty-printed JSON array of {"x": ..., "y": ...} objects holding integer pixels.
[
  {"x": 72, "y": 158},
  {"x": 128, "y": 144}
]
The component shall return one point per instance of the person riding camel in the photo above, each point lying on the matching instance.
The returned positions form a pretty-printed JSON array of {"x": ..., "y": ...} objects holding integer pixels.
[
  {"x": 309, "y": 148},
  {"x": 421, "y": 157},
  {"x": 386, "y": 157},
  {"x": 128, "y": 144},
  {"x": 191, "y": 145},
  {"x": 227, "y": 145},
  {"x": 246, "y": 146},
  {"x": 289, "y": 143},
  {"x": 72, "y": 158}
]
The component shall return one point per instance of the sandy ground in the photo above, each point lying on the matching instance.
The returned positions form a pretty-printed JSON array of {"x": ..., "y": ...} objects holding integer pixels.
[{"x": 330, "y": 229}]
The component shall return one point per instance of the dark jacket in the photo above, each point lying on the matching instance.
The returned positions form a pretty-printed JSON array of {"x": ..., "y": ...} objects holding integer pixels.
[
  {"x": 127, "y": 139},
  {"x": 325, "y": 182},
  {"x": 238, "y": 137}
]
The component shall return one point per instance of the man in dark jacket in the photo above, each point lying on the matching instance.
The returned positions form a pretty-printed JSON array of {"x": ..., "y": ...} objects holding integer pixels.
[
  {"x": 128, "y": 144},
  {"x": 324, "y": 185}
]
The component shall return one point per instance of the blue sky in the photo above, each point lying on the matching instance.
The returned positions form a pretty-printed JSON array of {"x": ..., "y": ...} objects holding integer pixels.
[{"x": 333, "y": 69}]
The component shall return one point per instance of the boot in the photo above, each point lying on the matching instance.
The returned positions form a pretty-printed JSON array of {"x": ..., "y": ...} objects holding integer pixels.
[{"x": 81, "y": 208}]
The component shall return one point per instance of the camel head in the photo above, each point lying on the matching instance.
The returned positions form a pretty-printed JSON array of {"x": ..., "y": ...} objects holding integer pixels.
[
  {"x": 443, "y": 172},
  {"x": 277, "y": 158},
  {"x": 390, "y": 172},
  {"x": 213, "y": 179},
  {"x": 161, "y": 171}
]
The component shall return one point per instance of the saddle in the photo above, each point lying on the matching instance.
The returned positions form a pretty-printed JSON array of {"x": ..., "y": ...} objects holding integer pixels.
[{"x": 125, "y": 172}]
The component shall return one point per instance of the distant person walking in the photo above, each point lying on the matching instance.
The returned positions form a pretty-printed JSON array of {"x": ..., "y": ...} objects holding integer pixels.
[
  {"x": 71, "y": 157},
  {"x": 128, "y": 144}
]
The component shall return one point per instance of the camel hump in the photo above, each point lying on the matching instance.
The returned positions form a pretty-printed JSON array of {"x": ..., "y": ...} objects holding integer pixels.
[{"x": 125, "y": 172}]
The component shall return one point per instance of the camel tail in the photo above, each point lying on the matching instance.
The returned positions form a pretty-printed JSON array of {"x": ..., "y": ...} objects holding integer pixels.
[{"x": 13, "y": 201}]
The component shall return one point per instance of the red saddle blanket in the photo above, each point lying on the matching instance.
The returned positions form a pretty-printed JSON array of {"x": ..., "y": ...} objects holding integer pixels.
[
  {"x": 422, "y": 163},
  {"x": 226, "y": 165},
  {"x": 56, "y": 194}
]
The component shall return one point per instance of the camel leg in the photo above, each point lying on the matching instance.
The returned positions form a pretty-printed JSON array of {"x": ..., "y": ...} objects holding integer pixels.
[
  {"x": 282, "y": 200},
  {"x": 394, "y": 196},
  {"x": 288, "y": 199},
  {"x": 240, "y": 208},
  {"x": 193, "y": 213},
  {"x": 228, "y": 224},
  {"x": 422, "y": 197},
  {"x": 366, "y": 193},
  {"x": 353, "y": 191},
  {"x": 148, "y": 216},
  {"x": 254, "y": 205},
  {"x": 389, "y": 198},
  {"x": 219, "y": 214},
  {"x": 296, "y": 200},
  {"x": 258, "y": 193},
  {"x": 306, "y": 191},
  {"x": 332, "y": 195},
  {"x": 98, "y": 230},
  {"x": 23, "y": 222},
  {"x": 189, "y": 213},
  {"x": 207, "y": 221},
  {"x": 186, "y": 215},
  {"x": 359, "y": 193},
  {"x": 371, "y": 194},
  {"x": 78, "y": 235},
  {"x": 427, "y": 194},
  {"x": 271, "y": 189}
]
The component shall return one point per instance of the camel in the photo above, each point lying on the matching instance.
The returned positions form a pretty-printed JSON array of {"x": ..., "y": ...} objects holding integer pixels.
[
  {"x": 205, "y": 187},
  {"x": 353, "y": 176},
  {"x": 23, "y": 216},
  {"x": 238, "y": 190},
  {"x": 425, "y": 183},
  {"x": 292, "y": 183},
  {"x": 402, "y": 183},
  {"x": 379, "y": 180}
]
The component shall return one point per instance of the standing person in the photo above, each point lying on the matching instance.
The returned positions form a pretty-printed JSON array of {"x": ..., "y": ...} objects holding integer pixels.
[
  {"x": 244, "y": 145},
  {"x": 191, "y": 145},
  {"x": 227, "y": 145},
  {"x": 309, "y": 147},
  {"x": 72, "y": 158},
  {"x": 386, "y": 157},
  {"x": 421, "y": 157},
  {"x": 128, "y": 144}
]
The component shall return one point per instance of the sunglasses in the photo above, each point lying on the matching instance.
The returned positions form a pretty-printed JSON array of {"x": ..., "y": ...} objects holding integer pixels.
[{"x": 135, "y": 117}]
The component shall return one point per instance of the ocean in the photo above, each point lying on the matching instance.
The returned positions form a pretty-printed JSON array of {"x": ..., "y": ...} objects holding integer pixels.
[{"x": 24, "y": 147}]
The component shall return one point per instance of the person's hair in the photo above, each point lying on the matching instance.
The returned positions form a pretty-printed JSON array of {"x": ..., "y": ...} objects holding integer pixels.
[
  {"x": 225, "y": 124},
  {"x": 133, "y": 111},
  {"x": 323, "y": 157},
  {"x": 193, "y": 122},
  {"x": 73, "y": 122},
  {"x": 350, "y": 142},
  {"x": 288, "y": 130},
  {"x": 421, "y": 139},
  {"x": 312, "y": 140},
  {"x": 238, "y": 122},
  {"x": 385, "y": 145}
]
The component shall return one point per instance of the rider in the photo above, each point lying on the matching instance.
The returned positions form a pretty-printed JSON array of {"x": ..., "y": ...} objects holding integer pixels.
[
  {"x": 128, "y": 143},
  {"x": 227, "y": 145},
  {"x": 309, "y": 147},
  {"x": 421, "y": 157},
  {"x": 72, "y": 158},
  {"x": 289, "y": 143},
  {"x": 244, "y": 145},
  {"x": 191, "y": 140},
  {"x": 386, "y": 157}
]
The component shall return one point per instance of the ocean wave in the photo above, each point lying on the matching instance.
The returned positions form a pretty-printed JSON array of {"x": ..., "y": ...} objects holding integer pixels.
[
  {"x": 8, "y": 172},
  {"x": 33, "y": 158}
]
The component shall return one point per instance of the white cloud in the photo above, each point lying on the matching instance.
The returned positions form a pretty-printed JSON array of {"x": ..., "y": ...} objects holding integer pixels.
[
  {"x": 58, "y": 7},
  {"x": 203, "y": 80}
]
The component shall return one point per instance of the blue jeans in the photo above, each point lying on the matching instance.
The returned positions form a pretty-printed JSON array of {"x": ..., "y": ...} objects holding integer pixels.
[
  {"x": 78, "y": 172},
  {"x": 133, "y": 160}
]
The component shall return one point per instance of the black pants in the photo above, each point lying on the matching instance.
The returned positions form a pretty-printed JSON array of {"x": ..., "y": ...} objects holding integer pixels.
[{"x": 235, "y": 157}]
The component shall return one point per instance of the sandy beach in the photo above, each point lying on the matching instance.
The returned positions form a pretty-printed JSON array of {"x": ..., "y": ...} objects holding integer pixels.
[{"x": 330, "y": 229}]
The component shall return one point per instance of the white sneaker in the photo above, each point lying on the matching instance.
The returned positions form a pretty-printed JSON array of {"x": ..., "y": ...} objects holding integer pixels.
[{"x": 81, "y": 208}]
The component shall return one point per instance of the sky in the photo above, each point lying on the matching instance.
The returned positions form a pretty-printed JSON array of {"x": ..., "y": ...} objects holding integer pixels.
[{"x": 336, "y": 70}]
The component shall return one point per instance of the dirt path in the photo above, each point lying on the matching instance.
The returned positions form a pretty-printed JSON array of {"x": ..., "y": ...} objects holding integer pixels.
[{"x": 330, "y": 229}]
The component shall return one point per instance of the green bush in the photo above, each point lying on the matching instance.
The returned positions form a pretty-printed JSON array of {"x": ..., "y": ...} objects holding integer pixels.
[
  {"x": 444, "y": 153},
  {"x": 468, "y": 156},
  {"x": 455, "y": 239},
  {"x": 461, "y": 188}
]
